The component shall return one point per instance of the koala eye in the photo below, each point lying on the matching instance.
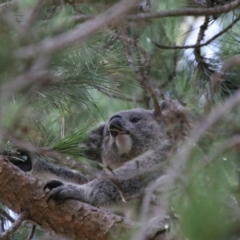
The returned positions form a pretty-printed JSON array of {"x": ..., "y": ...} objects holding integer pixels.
[{"x": 135, "y": 120}]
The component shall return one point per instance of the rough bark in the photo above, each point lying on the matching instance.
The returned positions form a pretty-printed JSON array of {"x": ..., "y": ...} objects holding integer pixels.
[{"x": 73, "y": 219}]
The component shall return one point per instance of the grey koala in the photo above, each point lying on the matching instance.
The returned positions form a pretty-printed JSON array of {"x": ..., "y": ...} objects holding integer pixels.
[{"x": 131, "y": 144}]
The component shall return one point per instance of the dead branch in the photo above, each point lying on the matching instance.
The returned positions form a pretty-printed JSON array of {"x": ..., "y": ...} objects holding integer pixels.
[
  {"x": 186, "y": 12},
  {"x": 72, "y": 219}
]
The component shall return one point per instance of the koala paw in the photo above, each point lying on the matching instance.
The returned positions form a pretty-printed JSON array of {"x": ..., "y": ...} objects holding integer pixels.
[
  {"x": 157, "y": 226},
  {"x": 60, "y": 192}
]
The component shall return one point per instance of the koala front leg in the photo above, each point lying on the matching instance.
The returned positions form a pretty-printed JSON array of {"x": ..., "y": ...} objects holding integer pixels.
[
  {"x": 97, "y": 192},
  {"x": 60, "y": 192}
]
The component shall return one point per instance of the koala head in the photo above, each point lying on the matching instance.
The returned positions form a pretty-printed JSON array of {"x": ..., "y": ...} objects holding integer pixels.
[{"x": 126, "y": 135}]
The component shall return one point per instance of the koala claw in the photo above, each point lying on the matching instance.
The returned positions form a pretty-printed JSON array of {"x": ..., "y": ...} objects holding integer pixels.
[
  {"x": 52, "y": 184},
  {"x": 60, "y": 192},
  {"x": 56, "y": 190}
]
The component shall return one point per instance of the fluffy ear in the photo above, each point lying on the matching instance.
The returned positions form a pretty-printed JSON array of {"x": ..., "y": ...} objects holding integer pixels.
[
  {"x": 91, "y": 147},
  {"x": 175, "y": 118}
]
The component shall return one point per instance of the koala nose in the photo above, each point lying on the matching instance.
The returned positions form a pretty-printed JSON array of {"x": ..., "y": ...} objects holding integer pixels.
[{"x": 116, "y": 125}]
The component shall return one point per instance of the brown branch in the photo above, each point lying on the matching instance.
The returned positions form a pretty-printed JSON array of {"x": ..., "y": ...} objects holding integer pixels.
[
  {"x": 54, "y": 44},
  {"x": 142, "y": 75},
  {"x": 72, "y": 219},
  {"x": 197, "y": 50},
  {"x": 187, "y": 12},
  {"x": 5, "y": 235},
  {"x": 200, "y": 45}
]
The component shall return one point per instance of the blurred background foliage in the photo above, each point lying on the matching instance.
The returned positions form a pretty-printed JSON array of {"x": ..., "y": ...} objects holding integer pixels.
[{"x": 93, "y": 79}]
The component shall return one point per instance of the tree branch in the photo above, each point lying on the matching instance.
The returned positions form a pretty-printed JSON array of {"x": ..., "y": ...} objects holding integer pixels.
[
  {"x": 202, "y": 44},
  {"x": 141, "y": 71},
  {"x": 72, "y": 219},
  {"x": 54, "y": 44},
  {"x": 186, "y": 12},
  {"x": 6, "y": 215}
]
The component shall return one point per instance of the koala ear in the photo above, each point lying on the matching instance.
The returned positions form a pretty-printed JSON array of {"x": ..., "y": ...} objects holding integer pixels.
[
  {"x": 91, "y": 147},
  {"x": 175, "y": 118},
  {"x": 172, "y": 108}
]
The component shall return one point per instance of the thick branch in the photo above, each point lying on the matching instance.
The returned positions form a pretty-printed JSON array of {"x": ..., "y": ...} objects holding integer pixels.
[{"x": 72, "y": 219}]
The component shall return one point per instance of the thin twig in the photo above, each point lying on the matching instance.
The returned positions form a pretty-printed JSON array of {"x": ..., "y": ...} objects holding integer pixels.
[
  {"x": 201, "y": 34},
  {"x": 2, "y": 220},
  {"x": 202, "y": 44},
  {"x": 186, "y": 12},
  {"x": 31, "y": 234},
  {"x": 14, "y": 226},
  {"x": 142, "y": 75},
  {"x": 6, "y": 215}
]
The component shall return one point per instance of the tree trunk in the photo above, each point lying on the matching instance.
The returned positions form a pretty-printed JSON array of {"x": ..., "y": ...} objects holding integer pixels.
[{"x": 73, "y": 219}]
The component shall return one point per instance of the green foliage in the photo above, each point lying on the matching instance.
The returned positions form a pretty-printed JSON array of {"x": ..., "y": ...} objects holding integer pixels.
[{"x": 93, "y": 79}]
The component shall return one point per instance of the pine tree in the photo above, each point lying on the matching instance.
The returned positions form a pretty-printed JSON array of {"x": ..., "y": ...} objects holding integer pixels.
[{"x": 65, "y": 66}]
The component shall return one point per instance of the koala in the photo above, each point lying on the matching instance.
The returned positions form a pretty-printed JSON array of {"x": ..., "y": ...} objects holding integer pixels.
[{"x": 133, "y": 145}]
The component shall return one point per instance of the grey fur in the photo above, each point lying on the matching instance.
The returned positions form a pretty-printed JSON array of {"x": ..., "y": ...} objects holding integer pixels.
[
  {"x": 140, "y": 144},
  {"x": 149, "y": 146}
]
